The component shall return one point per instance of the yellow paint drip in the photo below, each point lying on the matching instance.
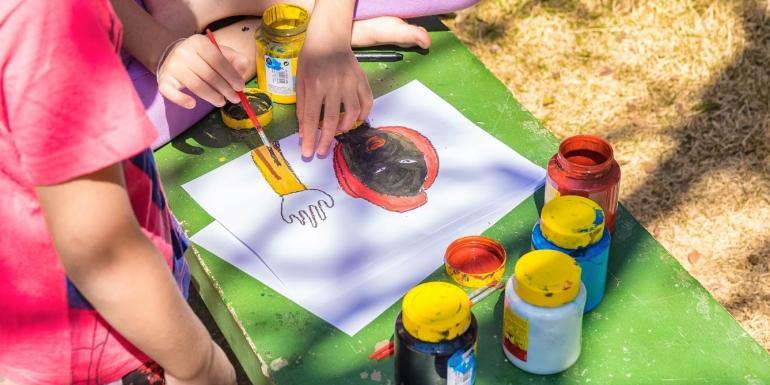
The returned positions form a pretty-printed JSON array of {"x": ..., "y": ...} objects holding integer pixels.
[
  {"x": 572, "y": 222},
  {"x": 547, "y": 278},
  {"x": 281, "y": 178},
  {"x": 436, "y": 311}
]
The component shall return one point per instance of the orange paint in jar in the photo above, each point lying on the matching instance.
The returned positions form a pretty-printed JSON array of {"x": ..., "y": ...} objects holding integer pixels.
[{"x": 585, "y": 165}]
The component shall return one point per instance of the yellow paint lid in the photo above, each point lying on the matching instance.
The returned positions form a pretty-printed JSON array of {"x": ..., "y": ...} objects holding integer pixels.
[
  {"x": 572, "y": 222},
  {"x": 547, "y": 278},
  {"x": 436, "y": 311}
]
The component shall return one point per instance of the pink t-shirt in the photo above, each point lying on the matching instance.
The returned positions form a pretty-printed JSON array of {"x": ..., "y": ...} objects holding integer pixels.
[{"x": 67, "y": 108}]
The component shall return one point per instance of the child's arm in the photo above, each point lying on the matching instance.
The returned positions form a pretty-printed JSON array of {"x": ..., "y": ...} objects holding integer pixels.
[
  {"x": 329, "y": 74},
  {"x": 193, "y": 63},
  {"x": 118, "y": 269}
]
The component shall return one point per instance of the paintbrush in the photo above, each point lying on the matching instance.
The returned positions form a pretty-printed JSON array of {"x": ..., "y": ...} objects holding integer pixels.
[
  {"x": 249, "y": 111},
  {"x": 484, "y": 292}
]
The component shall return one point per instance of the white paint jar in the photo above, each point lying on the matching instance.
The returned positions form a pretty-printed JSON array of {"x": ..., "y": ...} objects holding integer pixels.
[{"x": 543, "y": 312}]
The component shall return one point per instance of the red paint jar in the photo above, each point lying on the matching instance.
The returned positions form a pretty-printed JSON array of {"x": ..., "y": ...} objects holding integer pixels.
[{"x": 585, "y": 165}]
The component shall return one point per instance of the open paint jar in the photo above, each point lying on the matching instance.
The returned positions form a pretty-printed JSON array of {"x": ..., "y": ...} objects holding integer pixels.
[
  {"x": 235, "y": 117},
  {"x": 585, "y": 165},
  {"x": 279, "y": 41},
  {"x": 475, "y": 261},
  {"x": 436, "y": 334}
]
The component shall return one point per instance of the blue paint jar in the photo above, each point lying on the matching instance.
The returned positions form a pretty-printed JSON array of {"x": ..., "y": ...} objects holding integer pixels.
[{"x": 575, "y": 226}]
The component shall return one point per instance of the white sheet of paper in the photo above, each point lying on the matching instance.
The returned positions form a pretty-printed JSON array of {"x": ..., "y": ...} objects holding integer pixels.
[
  {"x": 348, "y": 308},
  {"x": 480, "y": 179}
]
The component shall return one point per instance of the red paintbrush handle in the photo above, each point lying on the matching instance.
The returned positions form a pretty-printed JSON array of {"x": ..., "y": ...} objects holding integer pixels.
[
  {"x": 382, "y": 350},
  {"x": 386, "y": 353},
  {"x": 249, "y": 111}
]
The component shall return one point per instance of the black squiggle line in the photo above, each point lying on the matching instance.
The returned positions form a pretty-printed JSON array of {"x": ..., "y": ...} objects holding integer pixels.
[{"x": 298, "y": 218}]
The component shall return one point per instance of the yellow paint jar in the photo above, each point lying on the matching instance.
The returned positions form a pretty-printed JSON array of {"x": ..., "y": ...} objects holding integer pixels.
[{"x": 279, "y": 40}]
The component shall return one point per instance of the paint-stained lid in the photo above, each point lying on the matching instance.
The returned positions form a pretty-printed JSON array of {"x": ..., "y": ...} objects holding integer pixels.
[
  {"x": 234, "y": 116},
  {"x": 436, "y": 311},
  {"x": 547, "y": 278},
  {"x": 572, "y": 221},
  {"x": 475, "y": 261}
]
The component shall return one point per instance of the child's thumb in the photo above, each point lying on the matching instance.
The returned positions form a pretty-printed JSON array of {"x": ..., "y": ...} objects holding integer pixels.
[{"x": 239, "y": 61}]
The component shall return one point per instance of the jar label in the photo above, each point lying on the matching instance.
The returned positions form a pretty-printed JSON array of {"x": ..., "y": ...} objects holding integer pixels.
[
  {"x": 550, "y": 191},
  {"x": 515, "y": 334},
  {"x": 461, "y": 368},
  {"x": 279, "y": 74}
]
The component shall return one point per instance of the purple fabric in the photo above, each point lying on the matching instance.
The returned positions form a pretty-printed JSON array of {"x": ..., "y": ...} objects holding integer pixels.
[
  {"x": 367, "y": 9},
  {"x": 171, "y": 120}
]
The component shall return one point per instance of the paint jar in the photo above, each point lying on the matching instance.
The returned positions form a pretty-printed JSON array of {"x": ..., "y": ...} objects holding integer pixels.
[
  {"x": 435, "y": 339},
  {"x": 574, "y": 225},
  {"x": 279, "y": 40},
  {"x": 475, "y": 261},
  {"x": 543, "y": 312},
  {"x": 235, "y": 117},
  {"x": 585, "y": 166}
]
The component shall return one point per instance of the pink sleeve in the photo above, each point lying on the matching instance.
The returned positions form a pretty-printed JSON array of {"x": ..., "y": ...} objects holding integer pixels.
[{"x": 70, "y": 106}]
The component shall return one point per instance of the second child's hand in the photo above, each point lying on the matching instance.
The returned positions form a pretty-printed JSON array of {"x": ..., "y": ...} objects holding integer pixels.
[{"x": 329, "y": 75}]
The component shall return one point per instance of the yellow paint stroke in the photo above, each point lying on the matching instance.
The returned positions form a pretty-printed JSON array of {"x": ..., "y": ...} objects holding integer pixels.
[{"x": 281, "y": 178}]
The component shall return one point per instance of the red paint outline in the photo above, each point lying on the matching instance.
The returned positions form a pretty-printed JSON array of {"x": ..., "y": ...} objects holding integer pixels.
[{"x": 356, "y": 189}]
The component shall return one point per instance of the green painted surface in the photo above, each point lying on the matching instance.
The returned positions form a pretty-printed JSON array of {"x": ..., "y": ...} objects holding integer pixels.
[{"x": 656, "y": 325}]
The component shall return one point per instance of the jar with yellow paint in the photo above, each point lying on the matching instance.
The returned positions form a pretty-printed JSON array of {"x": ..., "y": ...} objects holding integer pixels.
[
  {"x": 543, "y": 312},
  {"x": 435, "y": 339},
  {"x": 279, "y": 41}
]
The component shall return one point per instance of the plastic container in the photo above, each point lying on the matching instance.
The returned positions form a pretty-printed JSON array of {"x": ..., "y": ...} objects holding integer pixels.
[
  {"x": 235, "y": 117},
  {"x": 475, "y": 261},
  {"x": 543, "y": 312},
  {"x": 279, "y": 40},
  {"x": 575, "y": 225},
  {"x": 585, "y": 165},
  {"x": 435, "y": 339}
]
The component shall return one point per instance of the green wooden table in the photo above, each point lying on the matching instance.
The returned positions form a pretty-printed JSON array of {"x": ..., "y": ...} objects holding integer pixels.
[{"x": 656, "y": 325}]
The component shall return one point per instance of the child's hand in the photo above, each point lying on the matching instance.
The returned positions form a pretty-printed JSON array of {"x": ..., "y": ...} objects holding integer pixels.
[
  {"x": 217, "y": 371},
  {"x": 195, "y": 64},
  {"x": 328, "y": 74}
]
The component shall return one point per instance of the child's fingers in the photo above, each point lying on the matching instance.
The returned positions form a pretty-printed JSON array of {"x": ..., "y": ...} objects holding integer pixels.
[
  {"x": 221, "y": 65},
  {"x": 214, "y": 80},
  {"x": 352, "y": 111},
  {"x": 238, "y": 61},
  {"x": 330, "y": 123},
  {"x": 171, "y": 90},
  {"x": 365, "y": 99},
  {"x": 300, "y": 106},
  {"x": 199, "y": 87},
  {"x": 310, "y": 116}
]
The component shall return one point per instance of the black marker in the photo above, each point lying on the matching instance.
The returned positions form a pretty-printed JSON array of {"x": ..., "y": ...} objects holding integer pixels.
[{"x": 378, "y": 56}]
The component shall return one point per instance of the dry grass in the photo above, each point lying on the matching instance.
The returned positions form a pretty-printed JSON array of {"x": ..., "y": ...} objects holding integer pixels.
[{"x": 682, "y": 89}]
